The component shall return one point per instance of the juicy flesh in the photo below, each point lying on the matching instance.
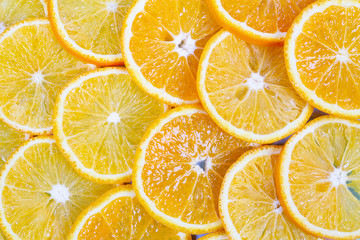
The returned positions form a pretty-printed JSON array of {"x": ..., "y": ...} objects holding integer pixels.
[
  {"x": 9, "y": 141},
  {"x": 172, "y": 177},
  {"x": 328, "y": 56},
  {"x": 167, "y": 49},
  {"x": 34, "y": 68},
  {"x": 104, "y": 120},
  {"x": 28, "y": 206},
  {"x": 94, "y": 25},
  {"x": 324, "y": 177},
  {"x": 269, "y": 16},
  {"x": 124, "y": 218},
  {"x": 253, "y": 188},
  {"x": 248, "y": 86},
  {"x": 13, "y": 11}
]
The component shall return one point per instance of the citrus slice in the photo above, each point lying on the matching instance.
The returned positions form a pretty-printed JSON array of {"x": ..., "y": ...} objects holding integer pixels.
[
  {"x": 118, "y": 215},
  {"x": 221, "y": 235},
  {"x": 246, "y": 91},
  {"x": 100, "y": 118},
  {"x": 322, "y": 52},
  {"x": 162, "y": 41},
  {"x": 90, "y": 29},
  {"x": 318, "y": 178},
  {"x": 40, "y": 193},
  {"x": 259, "y": 22},
  {"x": 179, "y": 167},
  {"x": 33, "y": 69},
  {"x": 248, "y": 204},
  {"x": 13, "y": 11}
]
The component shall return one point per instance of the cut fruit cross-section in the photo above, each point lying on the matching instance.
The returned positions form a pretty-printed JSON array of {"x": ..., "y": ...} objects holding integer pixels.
[{"x": 215, "y": 236}]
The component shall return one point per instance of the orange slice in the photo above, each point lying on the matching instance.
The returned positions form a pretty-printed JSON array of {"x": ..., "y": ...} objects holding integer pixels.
[
  {"x": 90, "y": 29},
  {"x": 179, "y": 167},
  {"x": 318, "y": 178},
  {"x": 258, "y": 21},
  {"x": 246, "y": 90},
  {"x": 118, "y": 215},
  {"x": 248, "y": 204},
  {"x": 221, "y": 235},
  {"x": 162, "y": 41},
  {"x": 322, "y": 53}
]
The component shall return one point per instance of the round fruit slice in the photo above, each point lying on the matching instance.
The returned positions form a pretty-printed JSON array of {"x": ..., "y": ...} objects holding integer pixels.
[
  {"x": 40, "y": 194},
  {"x": 248, "y": 204},
  {"x": 100, "y": 118},
  {"x": 91, "y": 29},
  {"x": 162, "y": 41},
  {"x": 246, "y": 91},
  {"x": 215, "y": 236},
  {"x": 260, "y": 22},
  {"x": 318, "y": 178},
  {"x": 179, "y": 167},
  {"x": 13, "y": 11},
  {"x": 34, "y": 67},
  {"x": 118, "y": 215},
  {"x": 9, "y": 141},
  {"x": 322, "y": 52}
]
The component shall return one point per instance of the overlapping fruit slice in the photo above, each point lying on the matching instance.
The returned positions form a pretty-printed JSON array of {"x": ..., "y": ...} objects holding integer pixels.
[
  {"x": 221, "y": 235},
  {"x": 246, "y": 90},
  {"x": 162, "y": 41},
  {"x": 40, "y": 194},
  {"x": 249, "y": 206},
  {"x": 33, "y": 69},
  {"x": 100, "y": 118},
  {"x": 118, "y": 215},
  {"x": 318, "y": 178},
  {"x": 179, "y": 168}
]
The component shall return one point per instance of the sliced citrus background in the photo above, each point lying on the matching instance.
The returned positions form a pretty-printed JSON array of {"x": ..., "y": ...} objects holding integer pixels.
[
  {"x": 162, "y": 41},
  {"x": 10, "y": 139},
  {"x": 90, "y": 29},
  {"x": 260, "y": 22},
  {"x": 13, "y": 11},
  {"x": 221, "y": 235},
  {"x": 100, "y": 118},
  {"x": 249, "y": 206},
  {"x": 246, "y": 90},
  {"x": 322, "y": 53},
  {"x": 318, "y": 178},
  {"x": 34, "y": 67},
  {"x": 119, "y": 215},
  {"x": 40, "y": 194},
  {"x": 179, "y": 167}
]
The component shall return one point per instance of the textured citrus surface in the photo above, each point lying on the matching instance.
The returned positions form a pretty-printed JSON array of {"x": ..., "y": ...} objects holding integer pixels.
[
  {"x": 248, "y": 203},
  {"x": 13, "y": 11},
  {"x": 179, "y": 168},
  {"x": 90, "y": 29},
  {"x": 319, "y": 178},
  {"x": 323, "y": 55},
  {"x": 216, "y": 236},
  {"x": 33, "y": 69},
  {"x": 9, "y": 141},
  {"x": 259, "y": 21},
  {"x": 100, "y": 118},
  {"x": 118, "y": 215},
  {"x": 41, "y": 195},
  {"x": 246, "y": 90},
  {"x": 162, "y": 41}
]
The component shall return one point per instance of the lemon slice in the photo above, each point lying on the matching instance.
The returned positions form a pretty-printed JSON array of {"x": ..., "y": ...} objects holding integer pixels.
[
  {"x": 246, "y": 90},
  {"x": 119, "y": 215},
  {"x": 318, "y": 178},
  {"x": 221, "y": 235},
  {"x": 91, "y": 29},
  {"x": 179, "y": 167},
  {"x": 249, "y": 206},
  {"x": 34, "y": 67},
  {"x": 100, "y": 118},
  {"x": 40, "y": 194}
]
